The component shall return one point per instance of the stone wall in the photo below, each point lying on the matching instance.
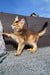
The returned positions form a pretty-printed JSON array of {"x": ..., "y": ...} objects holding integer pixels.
[{"x": 33, "y": 23}]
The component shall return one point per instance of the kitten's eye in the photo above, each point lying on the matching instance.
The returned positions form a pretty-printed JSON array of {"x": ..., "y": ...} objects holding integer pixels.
[{"x": 16, "y": 21}]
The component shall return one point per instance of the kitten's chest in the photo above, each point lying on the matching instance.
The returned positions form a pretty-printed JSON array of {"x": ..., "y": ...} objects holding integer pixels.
[{"x": 15, "y": 38}]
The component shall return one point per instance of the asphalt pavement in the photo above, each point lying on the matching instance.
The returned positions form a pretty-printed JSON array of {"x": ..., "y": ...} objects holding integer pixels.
[{"x": 27, "y": 63}]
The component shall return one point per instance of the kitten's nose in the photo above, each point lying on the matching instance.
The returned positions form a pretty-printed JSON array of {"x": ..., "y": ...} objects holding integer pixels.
[{"x": 13, "y": 24}]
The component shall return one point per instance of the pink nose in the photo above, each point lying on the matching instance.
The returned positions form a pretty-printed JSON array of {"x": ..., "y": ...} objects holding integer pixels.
[{"x": 13, "y": 24}]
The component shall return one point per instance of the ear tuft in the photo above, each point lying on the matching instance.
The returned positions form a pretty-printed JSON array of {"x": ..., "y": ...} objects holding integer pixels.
[
  {"x": 16, "y": 19},
  {"x": 22, "y": 21}
]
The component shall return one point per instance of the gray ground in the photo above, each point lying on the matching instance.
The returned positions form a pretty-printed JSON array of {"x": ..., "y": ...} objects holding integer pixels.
[{"x": 27, "y": 63}]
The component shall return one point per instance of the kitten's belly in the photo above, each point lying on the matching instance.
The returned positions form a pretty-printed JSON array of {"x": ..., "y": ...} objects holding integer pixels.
[{"x": 29, "y": 43}]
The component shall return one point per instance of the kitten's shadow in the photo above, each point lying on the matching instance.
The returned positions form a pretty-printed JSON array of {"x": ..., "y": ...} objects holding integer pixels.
[
  {"x": 12, "y": 43},
  {"x": 15, "y": 45}
]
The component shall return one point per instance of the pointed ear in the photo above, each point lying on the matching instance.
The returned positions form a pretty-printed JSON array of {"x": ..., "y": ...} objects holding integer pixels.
[
  {"x": 16, "y": 19},
  {"x": 22, "y": 21}
]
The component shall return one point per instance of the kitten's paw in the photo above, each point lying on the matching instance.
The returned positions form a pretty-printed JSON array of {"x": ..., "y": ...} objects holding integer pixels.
[
  {"x": 31, "y": 50},
  {"x": 2, "y": 33},
  {"x": 6, "y": 34},
  {"x": 17, "y": 54}
]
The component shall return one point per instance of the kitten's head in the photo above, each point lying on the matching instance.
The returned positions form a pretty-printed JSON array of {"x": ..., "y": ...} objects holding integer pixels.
[{"x": 18, "y": 25}]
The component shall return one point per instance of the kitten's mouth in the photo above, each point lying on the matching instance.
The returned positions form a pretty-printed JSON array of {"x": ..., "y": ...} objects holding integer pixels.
[{"x": 13, "y": 27}]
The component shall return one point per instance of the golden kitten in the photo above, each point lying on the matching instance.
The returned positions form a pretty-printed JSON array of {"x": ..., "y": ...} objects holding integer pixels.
[{"x": 25, "y": 36}]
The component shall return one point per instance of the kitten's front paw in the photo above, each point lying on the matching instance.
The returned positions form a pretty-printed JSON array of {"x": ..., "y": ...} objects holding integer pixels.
[
  {"x": 6, "y": 34},
  {"x": 17, "y": 54},
  {"x": 2, "y": 33}
]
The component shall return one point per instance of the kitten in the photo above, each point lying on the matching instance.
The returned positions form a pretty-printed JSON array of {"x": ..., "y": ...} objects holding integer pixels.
[{"x": 25, "y": 36}]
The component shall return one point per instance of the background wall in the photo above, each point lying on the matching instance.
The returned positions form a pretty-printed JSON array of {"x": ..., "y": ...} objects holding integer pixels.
[{"x": 33, "y": 23}]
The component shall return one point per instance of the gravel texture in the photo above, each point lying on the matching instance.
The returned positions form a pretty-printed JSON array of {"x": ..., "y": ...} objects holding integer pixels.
[{"x": 27, "y": 63}]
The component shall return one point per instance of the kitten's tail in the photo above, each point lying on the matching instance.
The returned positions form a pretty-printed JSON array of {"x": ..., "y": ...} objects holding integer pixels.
[{"x": 43, "y": 31}]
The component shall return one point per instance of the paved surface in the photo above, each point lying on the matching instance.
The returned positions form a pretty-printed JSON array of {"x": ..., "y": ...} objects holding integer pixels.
[{"x": 27, "y": 63}]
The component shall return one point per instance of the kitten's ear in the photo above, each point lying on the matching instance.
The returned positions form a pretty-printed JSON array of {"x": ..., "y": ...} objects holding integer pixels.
[
  {"x": 16, "y": 19},
  {"x": 22, "y": 21}
]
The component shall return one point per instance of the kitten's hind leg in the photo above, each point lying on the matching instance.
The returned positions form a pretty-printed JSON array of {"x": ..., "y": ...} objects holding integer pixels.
[
  {"x": 19, "y": 50},
  {"x": 6, "y": 34},
  {"x": 34, "y": 48}
]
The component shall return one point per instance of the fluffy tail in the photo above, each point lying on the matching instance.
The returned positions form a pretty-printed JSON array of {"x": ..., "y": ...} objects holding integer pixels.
[{"x": 43, "y": 29}]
